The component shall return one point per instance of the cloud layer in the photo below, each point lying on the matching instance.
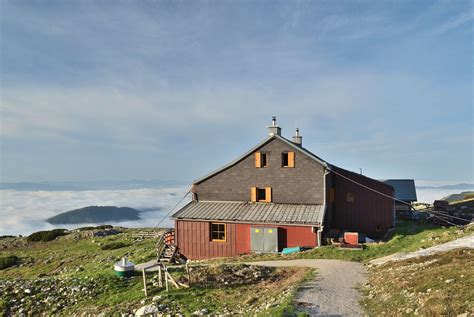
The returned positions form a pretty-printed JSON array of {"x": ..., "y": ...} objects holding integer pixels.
[{"x": 24, "y": 212}]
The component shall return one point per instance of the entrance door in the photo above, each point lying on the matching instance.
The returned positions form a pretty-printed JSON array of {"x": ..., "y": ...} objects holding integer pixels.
[{"x": 263, "y": 239}]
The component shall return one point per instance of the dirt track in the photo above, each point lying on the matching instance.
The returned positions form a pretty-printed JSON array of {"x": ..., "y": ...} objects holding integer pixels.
[{"x": 334, "y": 289}]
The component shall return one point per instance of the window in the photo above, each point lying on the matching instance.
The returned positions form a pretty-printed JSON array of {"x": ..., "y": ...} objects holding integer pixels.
[
  {"x": 218, "y": 231},
  {"x": 261, "y": 159},
  {"x": 350, "y": 197},
  {"x": 261, "y": 194},
  {"x": 288, "y": 159}
]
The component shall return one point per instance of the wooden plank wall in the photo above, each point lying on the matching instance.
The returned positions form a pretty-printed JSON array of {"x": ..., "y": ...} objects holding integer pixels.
[{"x": 194, "y": 241}]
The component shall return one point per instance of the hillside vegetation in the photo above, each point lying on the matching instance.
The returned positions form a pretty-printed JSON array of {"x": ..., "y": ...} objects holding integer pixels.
[
  {"x": 460, "y": 196},
  {"x": 95, "y": 214},
  {"x": 437, "y": 285},
  {"x": 406, "y": 237},
  {"x": 73, "y": 274}
]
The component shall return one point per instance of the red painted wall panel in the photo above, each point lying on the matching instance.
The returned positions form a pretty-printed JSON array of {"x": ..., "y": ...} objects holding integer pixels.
[
  {"x": 369, "y": 212},
  {"x": 193, "y": 239}
]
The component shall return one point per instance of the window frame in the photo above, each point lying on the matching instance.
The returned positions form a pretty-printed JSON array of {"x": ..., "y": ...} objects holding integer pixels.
[
  {"x": 218, "y": 231},
  {"x": 262, "y": 155},
  {"x": 259, "y": 191},
  {"x": 290, "y": 159},
  {"x": 283, "y": 154}
]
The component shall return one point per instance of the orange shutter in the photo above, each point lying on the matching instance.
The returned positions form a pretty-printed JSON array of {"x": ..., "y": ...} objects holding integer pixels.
[
  {"x": 291, "y": 159},
  {"x": 258, "y": 161},
  {"x": 268, "y": 194},
  {"x": 253, "y": 194}
]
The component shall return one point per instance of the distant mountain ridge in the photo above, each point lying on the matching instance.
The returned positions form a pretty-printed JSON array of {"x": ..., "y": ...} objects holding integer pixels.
[
  {"x": 460, "y": 196},
  {"x": 95, "y": 214},
  {"x": 91, "y": 185},
  {"x": 461, "y": 186}
]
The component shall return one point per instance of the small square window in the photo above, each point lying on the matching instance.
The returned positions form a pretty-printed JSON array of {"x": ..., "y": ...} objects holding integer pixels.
[
  {"x": 261, "y": 194},
  {"x": 350, "y": 197},
  {"x": 218, "y": 232}
]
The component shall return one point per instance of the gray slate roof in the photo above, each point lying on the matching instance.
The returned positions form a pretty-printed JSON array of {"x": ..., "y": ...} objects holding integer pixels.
[
  {"x": 252, "y": 212},
  {"x": 404, "y": 188}
]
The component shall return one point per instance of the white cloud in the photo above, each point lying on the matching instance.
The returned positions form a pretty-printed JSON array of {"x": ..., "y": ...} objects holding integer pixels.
[{"x": 24, "y": 212}]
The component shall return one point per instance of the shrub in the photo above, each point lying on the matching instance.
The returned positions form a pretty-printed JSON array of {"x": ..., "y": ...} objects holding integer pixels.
[
  {"x": 113, "y": 245},
  {"x": 101, "y": 227},
  {"x": 8, "y": 261},
  {"x": 46, "y": 235},
  {"x": 469, "y": 196}
]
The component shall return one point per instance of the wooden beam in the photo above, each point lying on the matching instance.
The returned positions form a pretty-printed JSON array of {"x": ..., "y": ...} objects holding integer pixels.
[{"x": 144, "y": 282}]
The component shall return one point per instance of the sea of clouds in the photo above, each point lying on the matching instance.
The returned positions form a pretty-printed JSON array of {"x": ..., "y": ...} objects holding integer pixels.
[{"x": 24, "y": 212}]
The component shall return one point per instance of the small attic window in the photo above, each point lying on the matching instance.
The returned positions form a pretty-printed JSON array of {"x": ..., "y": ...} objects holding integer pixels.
[
  {"x": 288, "y": 159},
  {"x": 261, "y": 194},
  {"x": 261, "y": 159}
]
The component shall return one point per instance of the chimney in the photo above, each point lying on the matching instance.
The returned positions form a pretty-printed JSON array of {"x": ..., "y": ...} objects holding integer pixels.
[
  {"x": 274, "y": 129},
  {"x": 297, "y": 138}
]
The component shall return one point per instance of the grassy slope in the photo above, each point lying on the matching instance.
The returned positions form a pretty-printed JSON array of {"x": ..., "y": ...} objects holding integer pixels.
[
  {"x": 61, "y": 258},
  {"x": 442, "y": 284},
  {"x": 408, "y": 236}
]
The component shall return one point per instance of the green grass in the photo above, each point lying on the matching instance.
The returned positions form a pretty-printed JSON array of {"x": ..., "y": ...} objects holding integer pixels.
[
  {"x": 437, "y": 285},
  {"x": 77, "y": 258},
  {"x": 408, "y": 236},
  {"x": 8, "y": 261}
]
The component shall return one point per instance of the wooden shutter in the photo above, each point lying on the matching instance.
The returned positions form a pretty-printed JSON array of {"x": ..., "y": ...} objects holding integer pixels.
[
  {"x": 258, "y": 160},
  {"x": 268, "y": 194},
  {"x": 253, "y": 194},
  {"x": 291, "y": 159}
]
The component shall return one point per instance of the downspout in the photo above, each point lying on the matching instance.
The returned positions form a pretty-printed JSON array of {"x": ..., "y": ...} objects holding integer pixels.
[{"x": 321, "y": 226}]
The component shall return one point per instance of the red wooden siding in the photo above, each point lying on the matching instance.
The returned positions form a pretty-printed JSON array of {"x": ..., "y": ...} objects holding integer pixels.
[
  {"x": 194, "y": 241},
  {"x": 369, "y": 212}
]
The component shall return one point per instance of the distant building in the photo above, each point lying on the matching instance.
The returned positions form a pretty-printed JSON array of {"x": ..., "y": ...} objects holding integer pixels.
[
  {"x": 405, "y": 191},
  {"x": 278, "y": 195}
]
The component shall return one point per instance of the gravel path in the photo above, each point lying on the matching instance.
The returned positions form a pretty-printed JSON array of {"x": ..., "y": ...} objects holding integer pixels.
[
  {"x": 464, "y": 242},
  {"x": 334, "y": 289}
]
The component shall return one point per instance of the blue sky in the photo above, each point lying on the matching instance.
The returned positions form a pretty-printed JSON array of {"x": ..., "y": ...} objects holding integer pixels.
[{"x": 95, "y": 90}]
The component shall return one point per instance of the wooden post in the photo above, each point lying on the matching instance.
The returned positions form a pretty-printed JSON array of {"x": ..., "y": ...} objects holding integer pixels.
[
  {"x": 188, "y": 273},
  {"x": 166, "y": 278},
  {"x": 144, "y": 282},
  {"x": 160, "y": 282}
]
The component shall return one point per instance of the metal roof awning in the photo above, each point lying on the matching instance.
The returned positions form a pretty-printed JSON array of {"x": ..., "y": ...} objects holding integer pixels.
[
  {"x": 405, "y": 189},
  {"x": 248, "y": 212}
]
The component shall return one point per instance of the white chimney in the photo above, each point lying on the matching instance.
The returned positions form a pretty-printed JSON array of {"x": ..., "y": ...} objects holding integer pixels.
[
  {"x": 274, "y": 129},
  {"x": 297, "y": 138}
]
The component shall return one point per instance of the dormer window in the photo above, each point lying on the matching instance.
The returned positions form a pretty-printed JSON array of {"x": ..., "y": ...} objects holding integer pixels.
[
  {"x": 263, "y": 195},
  {"x": 261, "y": 159},
  {"x": 288, "y": 159}
]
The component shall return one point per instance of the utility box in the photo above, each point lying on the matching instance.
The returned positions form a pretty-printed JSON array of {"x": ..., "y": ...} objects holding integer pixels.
[
  {"x": 263, "y": 239},
  {"x": 351, "y": 238}
]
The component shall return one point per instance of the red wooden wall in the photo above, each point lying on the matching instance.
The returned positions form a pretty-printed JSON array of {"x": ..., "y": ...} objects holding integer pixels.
[
  {"x": 193, "y": 239},
  {"x": 369, "y": 213}
]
